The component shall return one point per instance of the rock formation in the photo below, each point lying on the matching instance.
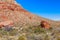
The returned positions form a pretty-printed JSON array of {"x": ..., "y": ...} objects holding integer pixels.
[{"x": 45, "y": 24}]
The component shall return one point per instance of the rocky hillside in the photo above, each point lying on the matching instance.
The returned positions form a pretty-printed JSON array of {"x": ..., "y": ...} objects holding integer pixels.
[
  {"x": 12, "y": 11},
  {"x": 26, "y": 26}
]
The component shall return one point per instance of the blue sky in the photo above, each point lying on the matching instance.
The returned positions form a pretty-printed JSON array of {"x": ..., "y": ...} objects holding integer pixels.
[{"x": 46, "y": 8}]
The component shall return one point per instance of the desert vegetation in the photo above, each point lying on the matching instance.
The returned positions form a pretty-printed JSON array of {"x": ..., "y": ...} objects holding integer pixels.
[{"x": 30, "y": 33}]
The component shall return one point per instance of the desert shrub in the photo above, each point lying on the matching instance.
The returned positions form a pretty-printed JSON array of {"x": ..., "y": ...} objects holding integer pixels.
[
  {"x": 27, "y": 30},
  {"x": 22, "y": 37},
  {"x": 39, "y": 30},
  {"x": 3, "y": 32},
  {"x": 46, "y": 37},
  {"x": 34, "y": 29},
  {"x": 13, "y": 32},
  {"x": 0, "y": 34},
  {"x": 30, "y": 37}
]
